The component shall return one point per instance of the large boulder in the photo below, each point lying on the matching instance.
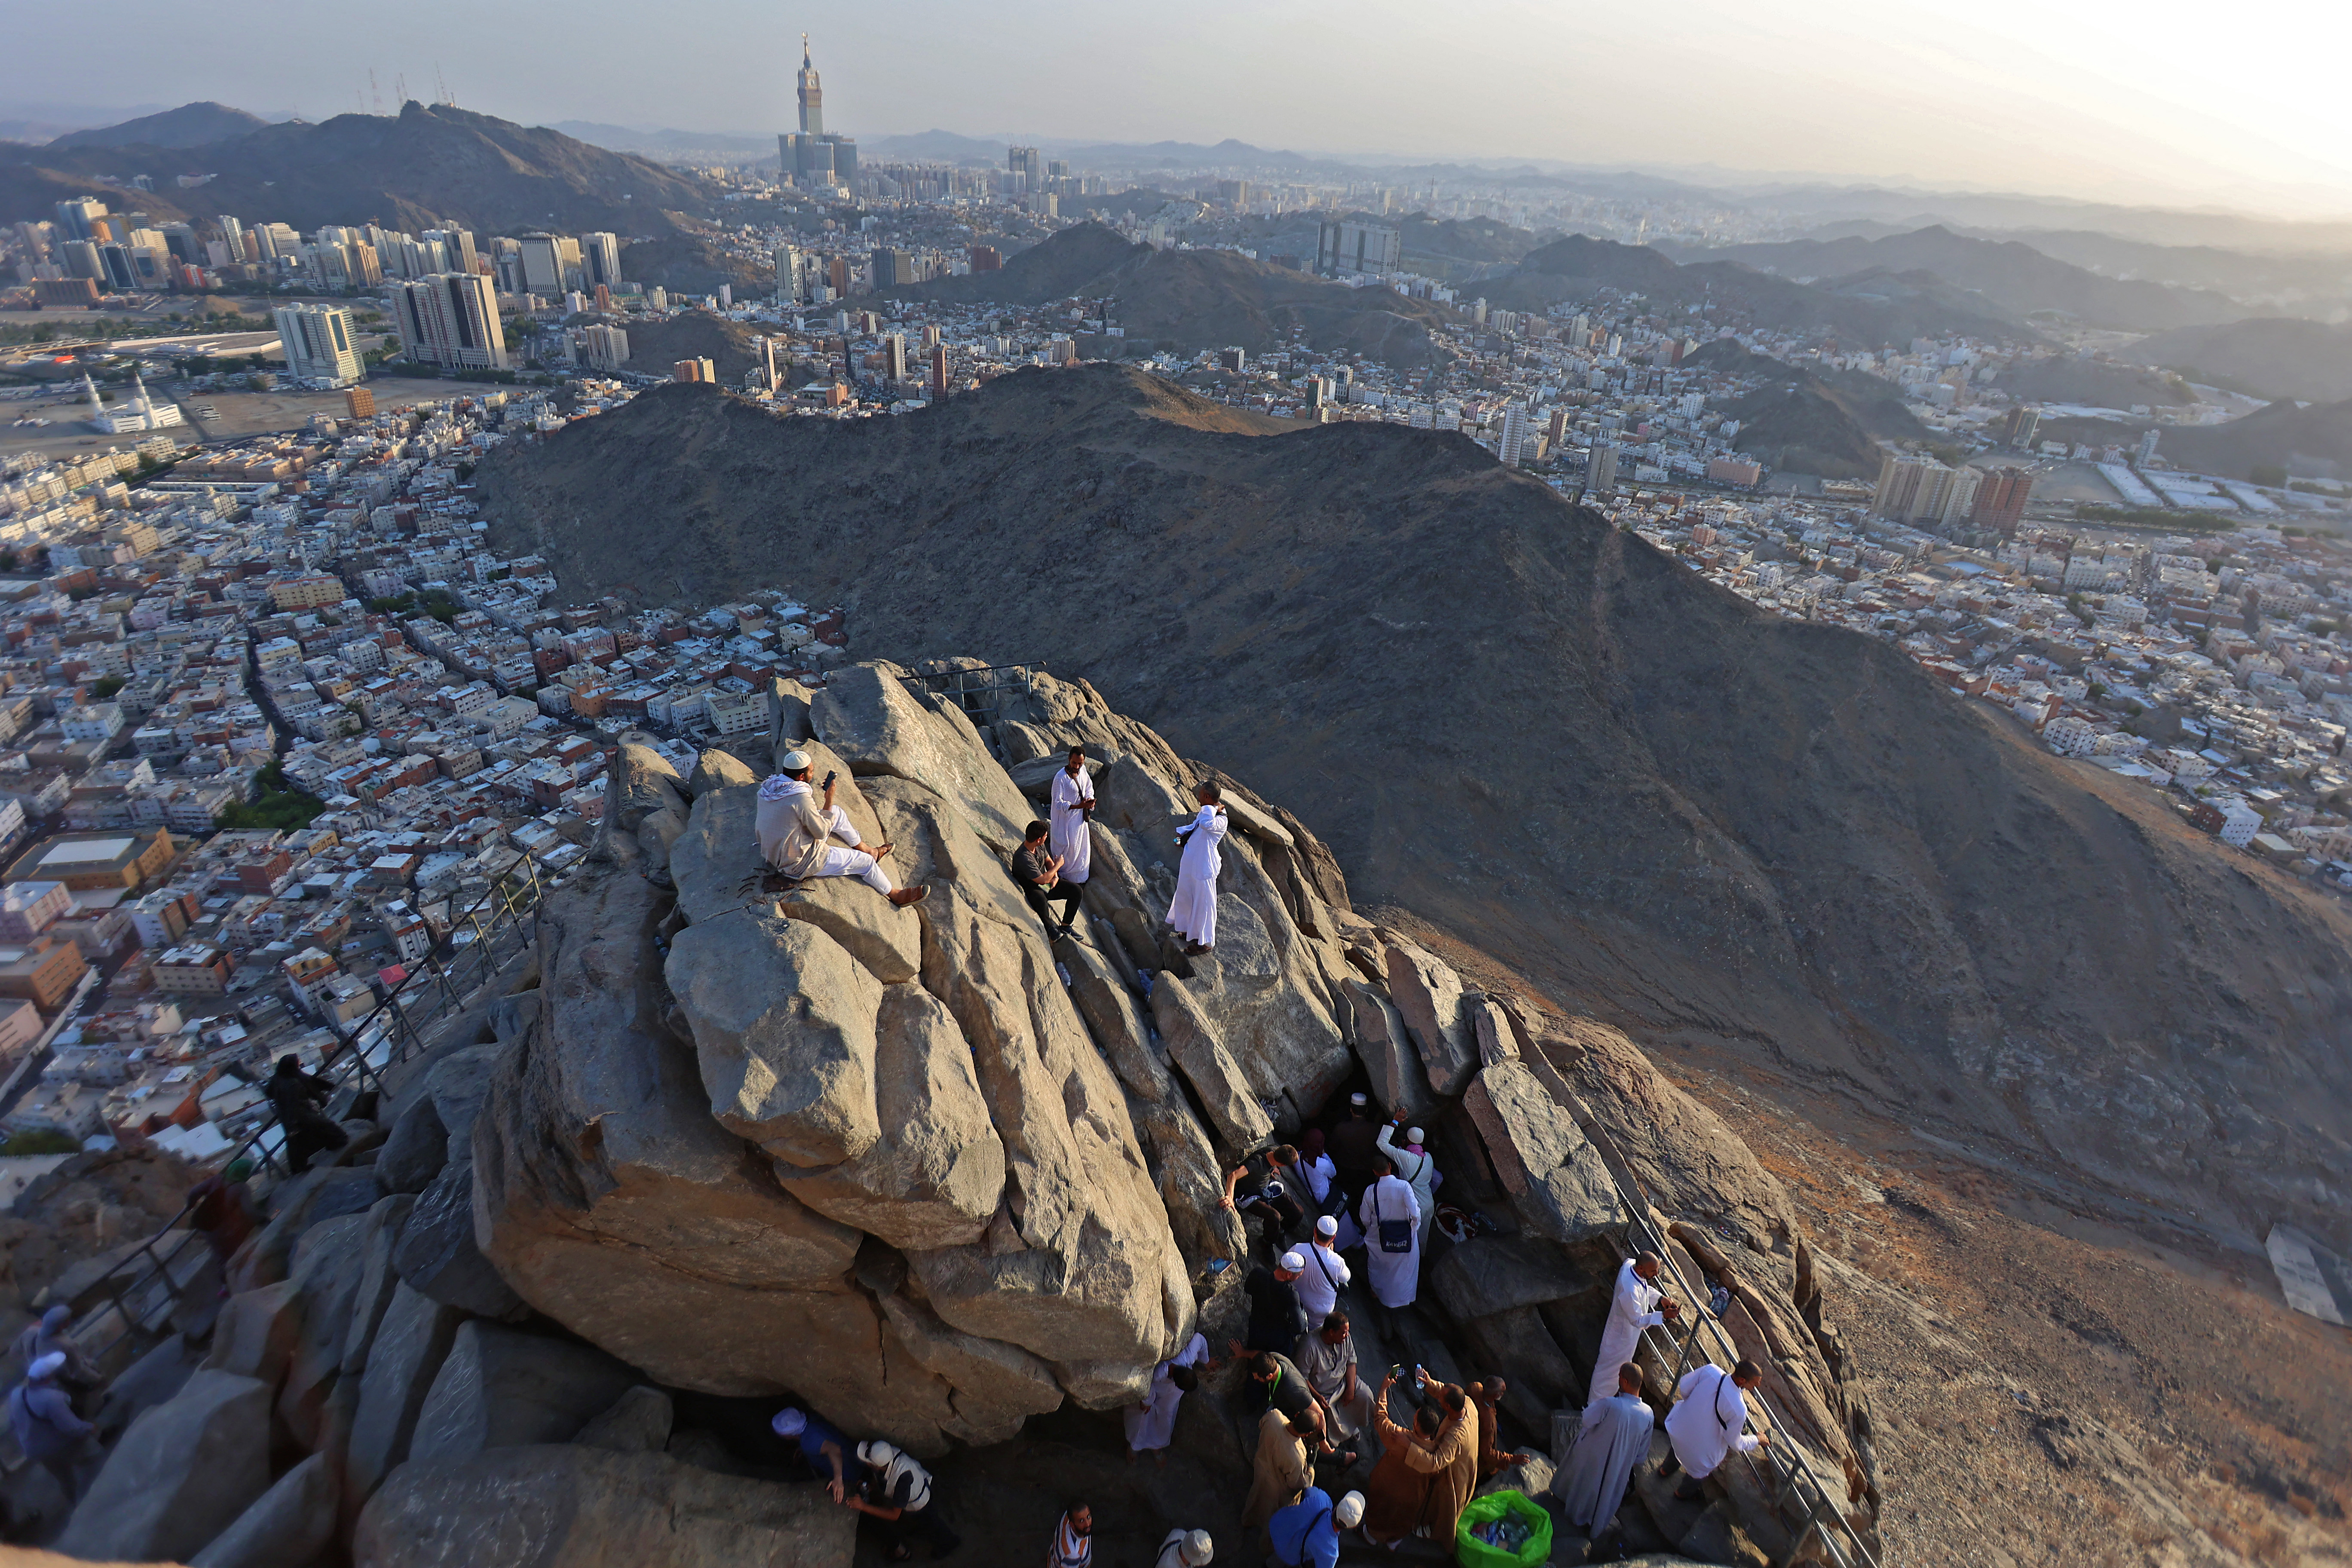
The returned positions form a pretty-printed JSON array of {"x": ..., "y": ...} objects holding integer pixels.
[
  {"x": 566, "y": 1506},
  {"x": 933, "y": 1178},
  {"x": 410, "y": 1345},
  {"x": 180, "y": 1476},
  {"x": 379, "y": 1278},
  {"x": 1399, "y": 1081},
  {"x": 886, "y": 939},
  {"x": 436, "y": 1253},
  {"x": 501, "y": 1388},
  {"x": 784, "y": 1027},
  {"x": 1429, "y": 996},
  {"x": 870, "y": 719},
  {"x": 637, "y": 1423},
  {"x": 1554, "y": 1176},
  {"x": 719, "y": 846},
  {"x": 1197, "y": 1046},
  {"x": 415, "y": 1149},
  {"x": 291, "y": 1523}
]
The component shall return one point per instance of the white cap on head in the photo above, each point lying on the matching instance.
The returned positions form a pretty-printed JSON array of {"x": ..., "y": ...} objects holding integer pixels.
[
  {"x": 1413, "y": 1134},
  {"x": 876, "y": 1452},
  {"x": 794, "y": 761},
  {"x": 1350, "y": 1512},
  {"x": 1292, "y": 1262},
  {"x": 1359, "y": 1097},
  {"x": 1326, "y": 1225},
  {"x": 46, "y": 1366},
  {"x": 1196, "y": 1548}
]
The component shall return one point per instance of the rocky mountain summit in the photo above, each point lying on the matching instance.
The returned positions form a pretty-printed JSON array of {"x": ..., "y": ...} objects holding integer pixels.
[{"x": 928, "y": 1171}]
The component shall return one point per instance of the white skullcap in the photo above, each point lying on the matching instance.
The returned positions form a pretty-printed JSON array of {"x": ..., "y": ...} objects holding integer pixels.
[
  {"x": 789, "y": 1422},
  {"x": 794, "y": 761},
  {"x": 46, "y": 1366},
  {"x": 1292, "y": 1263},
  {"x": 1326, "y": 1225},
  {"x": 1350, "y": 1512},
  {"x": 1196, "y": 1548},
  {"x": 874, "y": 1451},
  {"x": 1413, "y": 1134},
  {"x": 1359, "y": 1099}
]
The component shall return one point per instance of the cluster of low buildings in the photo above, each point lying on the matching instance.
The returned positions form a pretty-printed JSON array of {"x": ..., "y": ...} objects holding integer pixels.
[{"x": 274, "y": 726}]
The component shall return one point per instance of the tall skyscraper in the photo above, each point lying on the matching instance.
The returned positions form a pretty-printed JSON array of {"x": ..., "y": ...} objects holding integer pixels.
[
  {"x": 1600, "y": 472},
  {"x": 232, "y": 235},
  {"x": 550, "y": 263},
  {"x": 1515, "y": 434},
  {"x": 2001, "y": 501},
  {"x": 1349, "y": 245},
  {"x": 457, "y": 245},
  {"x": 450, "y": 319},
  {"x": 600, "y": 259},
  {"x": 813, "y": 159},
  {"x": 1026, "y": 170},
  {"x": 892, "y": 267},
  {"x": 318, "y": 343},
  {"x": 79, "y": 217},
  {"x": 788, "y": 272},
  {"x": 894, "y": 356}
]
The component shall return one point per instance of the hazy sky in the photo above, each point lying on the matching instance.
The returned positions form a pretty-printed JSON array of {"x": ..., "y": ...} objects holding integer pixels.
[{"x": 2243, "y": 104}]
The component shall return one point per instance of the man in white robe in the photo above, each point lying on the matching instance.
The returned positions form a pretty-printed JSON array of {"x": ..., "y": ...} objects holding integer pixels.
[
  {"x": 1634, "y": 1305},
  {"x": 1707, "y": 1424},
  {"x": 1072, "y": 805},
  {"x": 1394, "y": 1276},
  {"x": 803, "y": 839},
  {"x": 1325, "y": 1275},
  {"x": 1151, "y": 1426},
  {"x": 1194, "y": 911},
  {"x": 1413, "y": 1162},
  {"x": 1616, "y": 1438}
]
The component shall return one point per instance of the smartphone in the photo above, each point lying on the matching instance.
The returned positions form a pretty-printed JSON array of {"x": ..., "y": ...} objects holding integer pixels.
[
  {"x": 1218, "y": 1265},
  {"x": 1396, "y": 1371},
  {"x": 830, "y": 777}
]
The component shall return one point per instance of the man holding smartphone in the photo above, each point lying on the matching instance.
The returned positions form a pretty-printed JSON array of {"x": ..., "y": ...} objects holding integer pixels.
[{"x": 797, "y": 833}]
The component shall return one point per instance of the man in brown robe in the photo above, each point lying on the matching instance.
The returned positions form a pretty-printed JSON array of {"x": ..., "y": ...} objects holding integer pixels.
[
  {"x": 1397, "y": 1495},
  {"x": 1451, "y": 1462},
  {"x": 1283, "y": 1468}
]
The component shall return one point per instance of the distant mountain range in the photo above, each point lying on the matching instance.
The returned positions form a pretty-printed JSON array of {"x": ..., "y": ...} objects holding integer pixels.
[
  {"x": 1191, "y": 300},
  {"x": 1807, "y": 421},
  {"x": 429, "y": 166},
  {"x": 2266, "y": 357},
  {"x": 190, "y": 125},
  {"x": 2015, "y": 277}
]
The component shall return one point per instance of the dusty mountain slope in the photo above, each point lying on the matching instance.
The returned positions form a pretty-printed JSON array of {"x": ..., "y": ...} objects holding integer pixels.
[
  {"x": 1198, "y": 299},
  {"x": 428, "y": 165},
  {"x": 190, "y": 125},
  {"x": 1712, "y": 822}
]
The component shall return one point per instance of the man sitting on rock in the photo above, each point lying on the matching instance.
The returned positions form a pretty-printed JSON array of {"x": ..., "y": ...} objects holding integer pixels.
[
  {"x": 796, "y": 834},
  {"x": 1039, "y": 871}
]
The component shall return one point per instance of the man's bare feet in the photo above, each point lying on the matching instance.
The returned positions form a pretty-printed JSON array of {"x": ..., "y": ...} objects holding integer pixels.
[{"x": 906, "y": 896}]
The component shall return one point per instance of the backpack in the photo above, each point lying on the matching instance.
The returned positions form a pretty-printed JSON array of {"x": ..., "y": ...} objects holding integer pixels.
[{"x": 1396, "y": 1234}]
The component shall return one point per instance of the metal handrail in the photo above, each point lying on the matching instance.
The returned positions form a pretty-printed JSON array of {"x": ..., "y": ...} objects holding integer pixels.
[
  {"x": 1782, "y": 1453},
  {"x": 124, "y": 1277}
]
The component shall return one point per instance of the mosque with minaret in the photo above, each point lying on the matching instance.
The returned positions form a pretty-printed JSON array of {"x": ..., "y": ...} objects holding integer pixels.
[{"x": 140, "y": 411}]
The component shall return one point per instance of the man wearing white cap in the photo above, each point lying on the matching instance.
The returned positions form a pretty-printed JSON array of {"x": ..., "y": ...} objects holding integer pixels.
[
  {"x": 898, "y": 1496},
  {"x": 1307, "y": 1533},
  {"x": 47, "y": 1429},
  {"x": 797, "y": 833},
  {"x": 1184, "y": 1548},
  {"x": 1322, "y": 1274},
  {"x": 1413, "y": 1166}
]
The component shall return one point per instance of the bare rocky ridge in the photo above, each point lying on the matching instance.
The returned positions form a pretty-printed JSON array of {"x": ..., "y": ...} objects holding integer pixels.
[{"x": 1700, "y": 821}]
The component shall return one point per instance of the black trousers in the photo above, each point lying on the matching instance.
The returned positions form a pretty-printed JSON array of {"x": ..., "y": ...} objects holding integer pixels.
[
  {"x": 924, "y": 1524},
  {"x": 1067, "y": 894}
]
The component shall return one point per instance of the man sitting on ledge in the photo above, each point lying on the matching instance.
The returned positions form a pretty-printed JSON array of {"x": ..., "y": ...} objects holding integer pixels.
[{"x": 796, "y": 834}]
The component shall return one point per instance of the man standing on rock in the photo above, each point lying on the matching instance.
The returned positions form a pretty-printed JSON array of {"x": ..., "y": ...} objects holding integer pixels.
[
  {"x": 1072, "y": 807},
  {"x": 1073, "y": 1539},
  {"x": 1194, "y": 911},
  {"x": 48, "y": 1431},
  {"x": 299, "y": 1098},
  {"x": 1354, "y": 1145},
  {"x": 1277, "y": 1321},
  {"x": 1390, "y": 1217},
  {"x": 1616, "y": 1438},
  {"x": 1710, "y": 1424},
  {"x": 1411, "y": 1162},
  {"x": 1634, "y": 1305},
  {"x": 1325, "y": 1276},
  {"x": 898, "y": 1497},
  {"x": 797, "y": 834}
]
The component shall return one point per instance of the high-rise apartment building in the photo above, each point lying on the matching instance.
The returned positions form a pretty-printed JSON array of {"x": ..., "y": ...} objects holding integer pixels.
[
  {"x": 600, "y": 259},
  {"x": 550, "y": 263},
  {"x": 938, "y": 370},
  {"x": 1600, "y": 471},
  {"x": 813, "y": 159},
  {"x": 1350, "y": 245},
  {"x": 232, "y": 235},
  {"x": 318, "y": 343},
  {"x": 79, "y": 218},
  {"x": 1024, "y": 171},
  {"x": 458, "y": 245},
  {"x": 450, "y": 319},
  {"x": 893, "y": 268},
  {"x": 1515, "y": 434},
  {"x": 894, "y": 356},
  {"x": 604, "y": 348},
  {"x": 2001, "y": 501}
]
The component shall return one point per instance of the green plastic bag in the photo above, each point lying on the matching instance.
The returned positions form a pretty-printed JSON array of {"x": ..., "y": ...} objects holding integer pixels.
[{"x": 1472, "y": 1553}]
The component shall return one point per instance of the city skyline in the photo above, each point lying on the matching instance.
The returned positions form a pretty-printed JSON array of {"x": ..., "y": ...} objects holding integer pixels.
[{"x": 2053, "y": 100}]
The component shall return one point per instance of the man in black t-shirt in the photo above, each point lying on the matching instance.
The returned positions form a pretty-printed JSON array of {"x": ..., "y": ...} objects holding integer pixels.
[{"x": 1277, "y": 1321}]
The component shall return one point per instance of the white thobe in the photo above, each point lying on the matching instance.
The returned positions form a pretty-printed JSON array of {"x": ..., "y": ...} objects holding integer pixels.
[
  {"x": 1705, "y": 1422},
  {"x": 1320, "y": 1174},
  {"x": 1069, "y": 839},
  {"x": 1419, "y": 1170},
  {"x": 1395, "y": 1276},
  {"x": 1194, "y": 911},
  {"x": 1632, "y": 1307},
  {"x": 1319, "y": 1284},
  {"x": 1153, "y": 1423}
]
